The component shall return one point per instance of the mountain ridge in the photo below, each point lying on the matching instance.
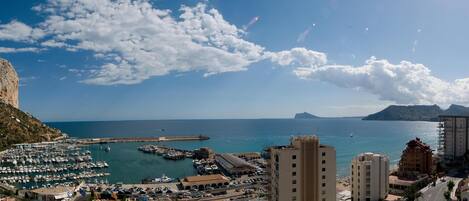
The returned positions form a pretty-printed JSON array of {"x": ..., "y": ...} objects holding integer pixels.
[{"x": 417, "y": 112}]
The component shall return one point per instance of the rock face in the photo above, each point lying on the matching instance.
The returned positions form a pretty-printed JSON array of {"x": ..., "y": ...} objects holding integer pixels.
[{"x": 8, "y": 84}]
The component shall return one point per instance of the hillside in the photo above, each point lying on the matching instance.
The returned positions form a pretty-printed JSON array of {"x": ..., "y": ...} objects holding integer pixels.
[
  {"x": 305, "y": 115},
  {"x": 416, "y": 112},
  {"x": 457, "y": 110},
  {"x": 19, "y": 127}
]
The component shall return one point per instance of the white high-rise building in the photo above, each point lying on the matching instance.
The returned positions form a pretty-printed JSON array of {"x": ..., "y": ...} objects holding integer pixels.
[
  {"x": 303, "y": 171},
  {"x": 370, "y": 177},
  {"x": 454, "y": 137}
]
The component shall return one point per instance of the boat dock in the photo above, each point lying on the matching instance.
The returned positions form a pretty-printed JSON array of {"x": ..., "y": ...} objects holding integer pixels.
[
  {"x": 167, "y": 152},
  {"x": 87, "y": 141}
]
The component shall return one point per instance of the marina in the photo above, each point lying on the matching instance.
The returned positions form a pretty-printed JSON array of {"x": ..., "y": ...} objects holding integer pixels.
[{"x": 49, "y": 163}]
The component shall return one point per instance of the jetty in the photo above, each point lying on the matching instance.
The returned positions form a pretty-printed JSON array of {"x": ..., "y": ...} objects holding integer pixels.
[
  {"x": 168, "y": 153},
  {"x": 87, "y": 141}
]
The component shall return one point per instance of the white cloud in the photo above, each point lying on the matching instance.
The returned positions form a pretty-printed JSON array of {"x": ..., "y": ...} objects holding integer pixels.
[
  {"x": 25, "y": 80},
  {"x": 402, "y": 83},
  {"x": 298, "y": 57},
  {"x": 136, "y": 41},
  {"x": 18, "y": 50},
  {"x": 18, "y": 31}
]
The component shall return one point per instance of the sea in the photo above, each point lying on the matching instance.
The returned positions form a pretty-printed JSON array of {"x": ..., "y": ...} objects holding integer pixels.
[{"x": 349, "y": 136}]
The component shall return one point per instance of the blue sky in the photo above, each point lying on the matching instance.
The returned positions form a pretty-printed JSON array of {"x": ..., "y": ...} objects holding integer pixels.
[{"x": 254, "y": 73}]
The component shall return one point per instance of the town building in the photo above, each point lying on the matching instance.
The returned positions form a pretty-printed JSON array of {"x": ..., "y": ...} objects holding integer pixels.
[
  {"x": 453, "y": 141},
  {"x": 249, "y": 155},
  {"x": 234, "y": 165},
  {"x": 369, "y": 173},
  {"x": 398, "y": 185},
  {"x": 51, "y": 194},
  {"x": 305, "y": 170},
  {"x": 205, "y": 181},
  {"x": 417, "y": 158},
  {"x": 204, "y": 153}
]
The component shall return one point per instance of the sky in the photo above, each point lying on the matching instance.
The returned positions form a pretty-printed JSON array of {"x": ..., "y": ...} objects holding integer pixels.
[{"x": 85, "y": 60}]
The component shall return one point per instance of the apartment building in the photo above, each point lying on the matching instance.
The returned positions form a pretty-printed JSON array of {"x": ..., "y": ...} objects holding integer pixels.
[
  {"x": 305, "y": 170},
  {"x": 417, "y": 157},
  {"x": 369, "y": 173},
  {"x": 453, "y": 141}
]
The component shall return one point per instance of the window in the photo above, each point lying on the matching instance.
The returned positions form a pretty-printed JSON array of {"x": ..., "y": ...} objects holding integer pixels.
[
  {"x": 323, "y": 153},
  {"x": 293, "y": 165},
  {"x": 293, "y": 157},
  {"x": 323, "y": 161},
  {"x": 323, "y": 169},
  {"x": 293, "y": 173},
  {"x": 323, "y": 184},
  {"x": 293, "y": 181},
  {"x": 323, "y": 176},
  {"x": 293, "y": 190}
]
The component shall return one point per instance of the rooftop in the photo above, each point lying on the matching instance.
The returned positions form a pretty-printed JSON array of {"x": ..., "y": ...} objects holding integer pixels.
[
  {"x": 53, "y": 191},
  {"x": 204, "y": 179},
  {"x": 232, "y": 161}
]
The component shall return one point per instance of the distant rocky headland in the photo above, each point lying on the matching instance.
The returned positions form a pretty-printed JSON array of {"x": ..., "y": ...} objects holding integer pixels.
[
  {"x": 416, "y": 112},
  {"x": 17, "y": 126},
  {"x": 305, "y": 115}
]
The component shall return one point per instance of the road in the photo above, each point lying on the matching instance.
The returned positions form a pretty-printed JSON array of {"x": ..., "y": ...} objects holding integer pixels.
[{"x": 435, "y": 193}]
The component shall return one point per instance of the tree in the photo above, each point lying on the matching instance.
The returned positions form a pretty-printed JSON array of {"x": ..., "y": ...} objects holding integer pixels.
[
  {"x": 412, "y": 193},
  {"x": 450, "y": 186},
  {"x": 447, "y": 195}
]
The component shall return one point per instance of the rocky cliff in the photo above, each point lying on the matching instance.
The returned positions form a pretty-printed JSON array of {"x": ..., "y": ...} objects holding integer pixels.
[
  {"x": 8, "y": 83},
  {"x": 17, "y": 126}
]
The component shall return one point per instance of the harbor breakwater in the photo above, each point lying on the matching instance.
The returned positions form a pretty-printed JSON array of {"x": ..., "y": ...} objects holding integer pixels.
[{"x": 141, "y": 139}]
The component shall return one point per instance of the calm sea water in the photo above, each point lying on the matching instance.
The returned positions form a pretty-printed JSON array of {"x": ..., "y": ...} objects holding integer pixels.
[{"x": 129, "y": 165}]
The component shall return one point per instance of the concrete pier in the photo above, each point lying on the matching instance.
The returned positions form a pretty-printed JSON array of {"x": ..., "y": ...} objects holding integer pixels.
[{"x": 141, "y": 139}]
